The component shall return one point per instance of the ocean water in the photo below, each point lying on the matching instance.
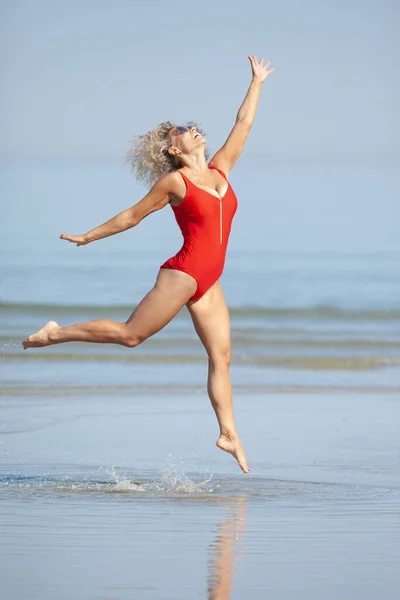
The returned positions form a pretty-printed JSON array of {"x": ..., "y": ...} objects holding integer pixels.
[{"x": 110, "y": 483}]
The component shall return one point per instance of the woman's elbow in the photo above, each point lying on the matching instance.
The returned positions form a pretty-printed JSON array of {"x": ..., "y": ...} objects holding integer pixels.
[
  {"x": 133, "y": 222},
  {"x": 132, "y": 219}
]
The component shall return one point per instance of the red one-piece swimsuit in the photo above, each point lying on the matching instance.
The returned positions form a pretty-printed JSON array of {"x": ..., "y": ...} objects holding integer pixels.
[{"x": 205, "y": 222}]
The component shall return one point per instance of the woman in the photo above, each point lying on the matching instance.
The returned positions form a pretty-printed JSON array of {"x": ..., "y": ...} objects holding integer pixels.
[{"x": 173, "y": 159}]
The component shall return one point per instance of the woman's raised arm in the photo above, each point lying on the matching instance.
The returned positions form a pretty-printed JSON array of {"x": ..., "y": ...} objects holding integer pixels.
[
  {"x": 157, "y": 198},
  {"x": 226, "y": 157}
]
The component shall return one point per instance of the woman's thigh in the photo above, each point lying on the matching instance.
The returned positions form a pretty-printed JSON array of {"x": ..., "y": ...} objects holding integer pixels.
[
  {"x": 170, "y": 293},
  {"x": 210, "y": 317}
]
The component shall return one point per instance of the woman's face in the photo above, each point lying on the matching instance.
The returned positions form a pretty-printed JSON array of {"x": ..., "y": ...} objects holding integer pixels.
[{"x": 185, "y": 139}]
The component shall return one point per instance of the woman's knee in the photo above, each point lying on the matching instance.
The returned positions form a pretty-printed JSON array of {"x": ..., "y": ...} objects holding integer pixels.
[
  {"x": 130, "y": 342},
  {"x": 221, "y": 358},
  {"x": 130, "y": 338}
]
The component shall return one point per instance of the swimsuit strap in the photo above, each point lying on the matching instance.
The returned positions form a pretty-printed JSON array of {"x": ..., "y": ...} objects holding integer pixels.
[
  {"x": 184, "y": 176},
  {"x": 187, "y": 181},
  {"x": 219, "y": 171}
]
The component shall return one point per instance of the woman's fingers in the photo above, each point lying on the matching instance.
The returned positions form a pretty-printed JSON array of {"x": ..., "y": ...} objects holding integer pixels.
[
  {"x": 260, "y": 63},
  {"x": 260, "y": 70},
  {"x": 75, "y": 239},
  {"x": 68, "y": 238}
]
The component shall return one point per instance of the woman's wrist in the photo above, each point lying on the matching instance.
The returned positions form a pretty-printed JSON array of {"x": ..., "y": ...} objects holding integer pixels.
[{"x": 257, "y": 80}]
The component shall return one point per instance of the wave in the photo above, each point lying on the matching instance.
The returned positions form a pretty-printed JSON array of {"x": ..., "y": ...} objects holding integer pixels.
[
  {"x": 167, "y": 389},
  {"x": 261, "y": 339},
  {"x": 311, "y": 312},
  {"x": 315, "y": 363}
]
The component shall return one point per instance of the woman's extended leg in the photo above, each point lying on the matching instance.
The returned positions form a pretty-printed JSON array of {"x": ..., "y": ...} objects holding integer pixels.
[
  {"x": 170, "y": 293},
  {"x": 211, "y": 320}
]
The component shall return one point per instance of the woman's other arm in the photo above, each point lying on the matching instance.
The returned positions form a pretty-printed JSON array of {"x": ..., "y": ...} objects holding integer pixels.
[
  {"x": 157, "y": 198},
  {"x": 226, "y": 157}
]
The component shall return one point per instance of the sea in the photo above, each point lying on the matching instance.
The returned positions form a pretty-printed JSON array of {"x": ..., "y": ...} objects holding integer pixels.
[{"x": 111, "y": 486}]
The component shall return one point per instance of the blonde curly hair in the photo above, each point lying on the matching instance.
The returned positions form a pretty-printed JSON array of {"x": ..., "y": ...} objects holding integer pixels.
[{"x": 149, "y": 157}]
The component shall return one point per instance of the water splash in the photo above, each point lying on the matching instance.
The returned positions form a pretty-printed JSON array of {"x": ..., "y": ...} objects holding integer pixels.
[
  {"x": 174, "y": 479},
  {"x": 171, "y": 480}
]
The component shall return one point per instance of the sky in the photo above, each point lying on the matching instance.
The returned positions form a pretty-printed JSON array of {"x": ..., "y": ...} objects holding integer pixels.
[{"x": 80, "y": 77}]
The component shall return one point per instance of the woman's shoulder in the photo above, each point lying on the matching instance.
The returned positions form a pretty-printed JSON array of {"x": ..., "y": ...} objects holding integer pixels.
[{"x": 174, "y": 183}]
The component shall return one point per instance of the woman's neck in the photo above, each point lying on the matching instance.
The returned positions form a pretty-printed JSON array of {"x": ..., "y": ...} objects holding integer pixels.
[{"x": 196, "y": 162}]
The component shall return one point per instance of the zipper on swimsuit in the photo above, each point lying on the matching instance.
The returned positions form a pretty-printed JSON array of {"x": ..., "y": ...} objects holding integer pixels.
[{"x": 220, "y": 222}]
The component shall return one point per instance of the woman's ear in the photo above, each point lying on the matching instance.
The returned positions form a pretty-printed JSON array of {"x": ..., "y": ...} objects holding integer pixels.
[{"x": 174, "y": 151}]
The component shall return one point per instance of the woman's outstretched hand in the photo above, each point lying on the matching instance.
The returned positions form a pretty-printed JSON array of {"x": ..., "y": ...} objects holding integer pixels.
[
  {"x": 79, "y": 240},
  {"x": 260, "y": 71}
]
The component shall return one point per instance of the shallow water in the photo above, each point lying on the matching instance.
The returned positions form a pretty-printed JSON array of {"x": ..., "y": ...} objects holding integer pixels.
[{"x": 170, "y": 516}]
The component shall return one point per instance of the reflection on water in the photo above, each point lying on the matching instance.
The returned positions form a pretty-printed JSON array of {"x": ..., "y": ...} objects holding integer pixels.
[
  {"x": 225, "y": 550},
  {"x": 321, "y": 502},
  {"x": 86, "y": 535}
]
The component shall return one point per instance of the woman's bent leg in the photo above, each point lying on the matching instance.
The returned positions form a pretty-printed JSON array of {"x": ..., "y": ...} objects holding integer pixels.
[{"x": 170, "y": 293}]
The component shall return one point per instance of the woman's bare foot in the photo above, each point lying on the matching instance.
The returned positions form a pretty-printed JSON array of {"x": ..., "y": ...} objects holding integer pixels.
[
  {"x": 232, "y": 444},
  {"x": 41, "y": 337}
]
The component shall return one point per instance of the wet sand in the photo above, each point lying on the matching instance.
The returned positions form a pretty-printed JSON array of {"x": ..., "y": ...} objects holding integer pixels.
[{"x": 95, "y": 505}]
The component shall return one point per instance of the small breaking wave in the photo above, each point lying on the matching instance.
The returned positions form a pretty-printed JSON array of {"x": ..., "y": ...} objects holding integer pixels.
[
  {"x": 308, "y": 312},
  {"x": 316, "y": 363}
]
